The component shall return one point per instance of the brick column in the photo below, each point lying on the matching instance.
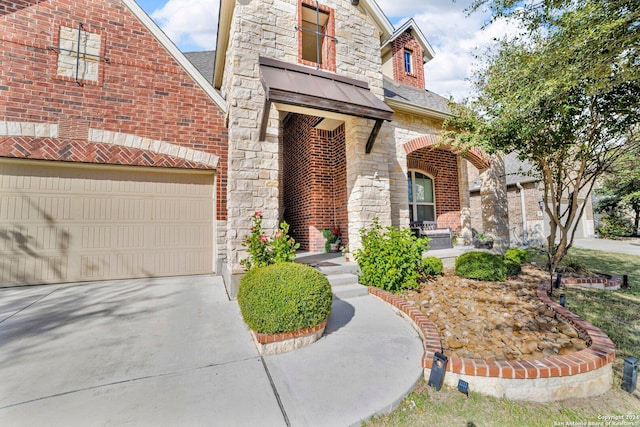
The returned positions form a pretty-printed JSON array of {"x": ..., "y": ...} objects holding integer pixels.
[{"x": 495, "y": 213}]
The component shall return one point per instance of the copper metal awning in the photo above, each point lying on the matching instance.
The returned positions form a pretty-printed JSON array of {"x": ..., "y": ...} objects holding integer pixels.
[{"x": 300, "y": 86}]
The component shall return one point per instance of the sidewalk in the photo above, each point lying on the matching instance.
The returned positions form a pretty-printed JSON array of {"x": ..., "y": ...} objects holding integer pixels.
[{"x": 175, "y": 351}]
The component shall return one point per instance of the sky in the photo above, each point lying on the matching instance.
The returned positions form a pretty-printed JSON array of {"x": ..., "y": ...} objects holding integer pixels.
[{"x": 456, "y": 37}]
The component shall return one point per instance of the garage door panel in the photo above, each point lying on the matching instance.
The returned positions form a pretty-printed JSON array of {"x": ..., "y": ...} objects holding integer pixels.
[{"x": 66, "y": 223}]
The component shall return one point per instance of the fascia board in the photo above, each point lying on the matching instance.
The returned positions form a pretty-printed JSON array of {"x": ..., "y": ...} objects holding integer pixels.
[
  {"x": 407, "y": 107},
  {"x": 225, "y": 16}
]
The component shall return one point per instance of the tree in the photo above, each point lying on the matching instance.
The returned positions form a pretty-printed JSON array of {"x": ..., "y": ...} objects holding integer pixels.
[
  {"x": 564, "y": 95},
  {"x": 621, "y": 191}
]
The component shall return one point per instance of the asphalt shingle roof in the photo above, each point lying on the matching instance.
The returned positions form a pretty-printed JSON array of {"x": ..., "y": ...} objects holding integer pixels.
[
  {"x": 412, "y": 95},
  {"x": 204, "y": 62}
]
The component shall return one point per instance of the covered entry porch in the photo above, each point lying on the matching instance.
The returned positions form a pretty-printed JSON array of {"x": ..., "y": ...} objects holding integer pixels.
[{"x": 327, "y": 129}]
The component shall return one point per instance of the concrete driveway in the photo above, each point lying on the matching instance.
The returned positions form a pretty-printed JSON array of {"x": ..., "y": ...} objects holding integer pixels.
[
  {"x": 629, "y": 247},
  {"x": 132, "y": 352},
  {"x": 175, "y": 352}
]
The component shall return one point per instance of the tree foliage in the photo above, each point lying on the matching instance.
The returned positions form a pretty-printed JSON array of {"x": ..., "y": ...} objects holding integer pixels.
[
  {"x": 621, "y": 196},
  {"x": 564, "y": 95}
]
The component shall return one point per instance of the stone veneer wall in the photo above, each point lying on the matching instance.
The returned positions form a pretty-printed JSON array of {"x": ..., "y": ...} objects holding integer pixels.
[
  {"x": 314, "y": 181},
  {"x": 442, "y": 166},
  {"x": 267, "y": 28}
]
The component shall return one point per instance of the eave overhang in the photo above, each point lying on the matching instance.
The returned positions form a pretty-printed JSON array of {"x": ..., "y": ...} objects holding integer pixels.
[{"x": 407, "y": 107}]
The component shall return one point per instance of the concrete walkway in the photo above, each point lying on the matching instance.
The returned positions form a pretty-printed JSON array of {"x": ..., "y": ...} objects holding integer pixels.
[{"x": 175, "y": 351}]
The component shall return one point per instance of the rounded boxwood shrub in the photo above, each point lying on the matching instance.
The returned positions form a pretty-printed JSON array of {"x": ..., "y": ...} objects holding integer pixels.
[
  {"x": 431, "y": 266},
  {"x": 481, "y": 266},
  {"x": 284, "y": 297},
  {"x": 516, "y": 255}
]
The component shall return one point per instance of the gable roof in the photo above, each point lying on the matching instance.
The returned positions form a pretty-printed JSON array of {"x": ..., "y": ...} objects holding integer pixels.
[
  {"x": 410, "y": 25},
  {"x": 413, "y": 100},
  {"x": 179, "y": 57}
]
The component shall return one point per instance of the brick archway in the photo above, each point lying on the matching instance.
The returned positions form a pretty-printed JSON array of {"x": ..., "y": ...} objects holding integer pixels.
[{"x": 477, "y": 158}]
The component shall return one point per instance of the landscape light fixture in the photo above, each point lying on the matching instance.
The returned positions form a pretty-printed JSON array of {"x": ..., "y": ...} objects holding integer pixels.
[
  {"x": 563, "y": 299},
  {"x": 438, "y": 367},
  {"x": 558, "y": 280},
  {"x": 463, "y": 387},
  {"x": 630, "y": 374}
]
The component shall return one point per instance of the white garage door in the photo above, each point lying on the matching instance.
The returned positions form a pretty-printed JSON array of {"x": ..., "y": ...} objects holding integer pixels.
[{"x": 68, "y": 222}]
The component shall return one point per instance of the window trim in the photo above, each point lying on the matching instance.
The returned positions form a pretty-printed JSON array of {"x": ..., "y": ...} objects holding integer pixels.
[
  {"x": 408, "y": 61},
  {"x": 413, "y": 206},
  {"x": 327, "y": 47}
]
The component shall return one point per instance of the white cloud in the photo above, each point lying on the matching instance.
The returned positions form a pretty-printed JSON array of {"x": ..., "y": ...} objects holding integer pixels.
[{"x": 190, "y": 24}]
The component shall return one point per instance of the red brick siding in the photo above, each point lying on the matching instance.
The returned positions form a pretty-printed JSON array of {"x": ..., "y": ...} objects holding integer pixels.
[
  {"x": 315, "y": 186},
  {"x": 416, "y": 78},
  {"x": 142, "y": 90},
  {"x": 80, "y": 151},
  {"x": 442, "y": 166}
]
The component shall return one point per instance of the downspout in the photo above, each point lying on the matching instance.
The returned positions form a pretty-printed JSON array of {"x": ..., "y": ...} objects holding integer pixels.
[{"x": 523, "y": 208}]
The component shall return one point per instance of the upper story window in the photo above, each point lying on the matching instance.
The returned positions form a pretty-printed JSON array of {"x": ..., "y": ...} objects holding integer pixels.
[
  {"x": 316, "y": 35},
  {"x": 408, "y": 61}
]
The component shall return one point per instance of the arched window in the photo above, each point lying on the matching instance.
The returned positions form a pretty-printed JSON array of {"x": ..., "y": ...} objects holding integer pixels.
[{"x": 422, "y": 201}]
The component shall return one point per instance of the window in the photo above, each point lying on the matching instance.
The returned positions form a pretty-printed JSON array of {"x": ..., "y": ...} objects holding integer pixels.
[
  {"x": 408, "y": 61},
  {"x": 316, "y": 32},
  {"x": 422, "y": 206}
]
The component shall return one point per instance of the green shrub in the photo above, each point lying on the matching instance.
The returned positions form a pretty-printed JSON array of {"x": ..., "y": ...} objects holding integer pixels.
[
  {"x": 512, "y": 268},
  {"x": 516, "y": 255},
  {"x": 481, "y": 266},
  {"x": 431, "y": 266},
  {"x": 390, "y": 258},
  {"x": 284, "y": 297}
]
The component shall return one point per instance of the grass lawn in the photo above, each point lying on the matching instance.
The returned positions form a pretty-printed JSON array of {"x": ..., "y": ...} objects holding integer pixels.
[{"x": 617, "y": 313}]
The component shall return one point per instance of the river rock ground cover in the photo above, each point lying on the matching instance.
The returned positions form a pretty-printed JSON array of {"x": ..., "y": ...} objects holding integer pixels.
[{"x": 493, "y": 320}]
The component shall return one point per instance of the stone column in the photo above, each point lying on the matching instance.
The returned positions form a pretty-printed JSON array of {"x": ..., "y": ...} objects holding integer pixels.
[
  {"x": 465, "y": 200},
  {"x": 367, "y": 180},
  {"x": 493, "y": 193}
]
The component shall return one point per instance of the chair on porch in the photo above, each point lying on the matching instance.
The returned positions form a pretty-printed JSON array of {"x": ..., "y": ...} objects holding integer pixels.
[{"x": 440, "y": 237}]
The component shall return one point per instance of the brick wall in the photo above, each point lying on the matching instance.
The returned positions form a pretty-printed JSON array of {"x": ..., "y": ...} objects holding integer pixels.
[
  {"x": 442, "y": 166},
  {"x": 141, "y": 91},
  {"x": 315, "y": 187},
  {"x": 416, "y": 77},
  {"x": 531, "y": 195}
]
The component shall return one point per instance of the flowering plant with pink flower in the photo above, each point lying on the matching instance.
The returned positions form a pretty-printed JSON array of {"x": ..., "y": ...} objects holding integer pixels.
[{"x": 264, "y": 250}]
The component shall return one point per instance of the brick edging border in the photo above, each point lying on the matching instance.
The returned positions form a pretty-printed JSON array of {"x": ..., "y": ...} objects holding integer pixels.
[
  {"x": 284, "y": 336},
  {"x": 601, "y": 350},
  {"x": 611, "y": 283}
]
